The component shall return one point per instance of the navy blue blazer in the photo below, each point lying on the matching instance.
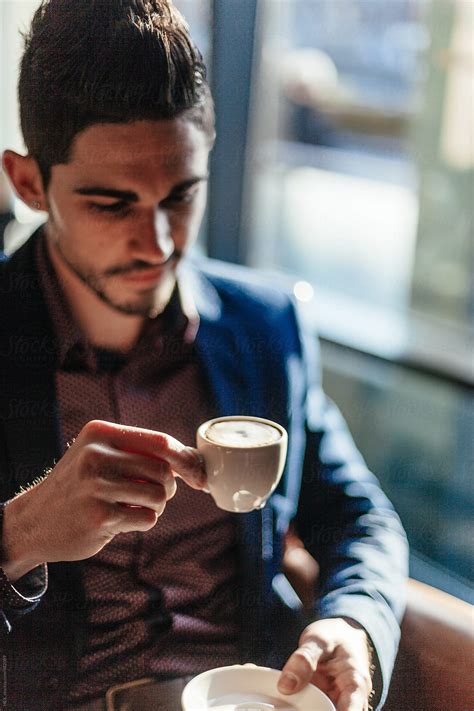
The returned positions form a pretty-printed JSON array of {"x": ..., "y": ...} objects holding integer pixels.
[{"x": 258, "y": 361}]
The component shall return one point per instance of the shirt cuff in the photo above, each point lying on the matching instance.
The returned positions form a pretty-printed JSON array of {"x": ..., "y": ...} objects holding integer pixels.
[{"x": 27, "y": 591}]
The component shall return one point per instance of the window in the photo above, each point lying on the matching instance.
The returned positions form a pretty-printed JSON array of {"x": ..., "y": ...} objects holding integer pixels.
[
  {"x": 359, "y": 176},
  {"x": 358, "y": 195},
  {"x": 198, "y": 14}
]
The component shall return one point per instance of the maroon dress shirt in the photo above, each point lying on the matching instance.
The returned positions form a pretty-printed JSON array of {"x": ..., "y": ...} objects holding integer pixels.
[{"x": 163, "y": 602}]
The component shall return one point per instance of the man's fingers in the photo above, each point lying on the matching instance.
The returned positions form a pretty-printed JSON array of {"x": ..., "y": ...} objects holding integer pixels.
[
  {"x": 118, "y": 471},
  {"x": 337, "y": 668},
  {"x": 322, "y": 680},
  {"x": 300, "y": 667},
  {"x": 353, "y": 691},
  {"x": 141, "y": 476},
  {"x": 352, "y": 701},
  {"x": 134, "y": 519},
  {"x": 152, "y": 496},
  {"x": 333, "y": 656},
  {"x": 185, "y": 461}
]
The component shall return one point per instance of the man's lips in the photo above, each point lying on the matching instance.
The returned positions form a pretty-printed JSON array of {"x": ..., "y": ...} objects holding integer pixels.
[{"x": 143, "y": 276}]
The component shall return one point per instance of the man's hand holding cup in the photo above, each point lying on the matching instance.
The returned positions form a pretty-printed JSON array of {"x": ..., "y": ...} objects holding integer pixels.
[{"x": 112, "y": 479}]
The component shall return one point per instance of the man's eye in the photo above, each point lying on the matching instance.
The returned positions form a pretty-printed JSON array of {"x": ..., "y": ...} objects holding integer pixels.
[
  {"x": 113, "y": 208},
  {"x": 181, "y": 199}
]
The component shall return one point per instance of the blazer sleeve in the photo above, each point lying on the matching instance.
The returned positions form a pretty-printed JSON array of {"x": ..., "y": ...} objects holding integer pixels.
[
  {"x": 22, "y": 597},
  {"x": 351, "y": 528}
]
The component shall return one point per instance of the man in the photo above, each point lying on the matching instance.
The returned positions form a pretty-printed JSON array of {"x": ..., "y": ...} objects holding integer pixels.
[{"x": 118, "y": 570}]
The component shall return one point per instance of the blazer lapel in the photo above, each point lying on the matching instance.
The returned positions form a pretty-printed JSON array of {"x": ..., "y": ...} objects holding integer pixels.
[
  {"x": 27, "y": 354},
  {"x": 234, "y": 391}
]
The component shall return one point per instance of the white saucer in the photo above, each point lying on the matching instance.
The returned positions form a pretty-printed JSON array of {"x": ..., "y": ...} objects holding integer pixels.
[{"x": 248, "y": 688}]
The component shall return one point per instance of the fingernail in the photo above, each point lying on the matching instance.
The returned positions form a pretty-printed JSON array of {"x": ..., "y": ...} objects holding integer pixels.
[{"x": 288, "y": 682}]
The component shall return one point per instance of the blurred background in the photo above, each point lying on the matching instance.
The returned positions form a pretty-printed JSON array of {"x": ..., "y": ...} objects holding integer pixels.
[{"x": 343, "y": 170}]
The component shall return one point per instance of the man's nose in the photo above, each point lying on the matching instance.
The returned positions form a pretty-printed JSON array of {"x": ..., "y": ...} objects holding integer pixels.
[{"x": 153, "y": 242}]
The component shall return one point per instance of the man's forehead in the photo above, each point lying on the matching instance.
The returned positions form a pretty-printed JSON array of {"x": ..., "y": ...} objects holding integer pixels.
[{"x": 166, "y": 143}]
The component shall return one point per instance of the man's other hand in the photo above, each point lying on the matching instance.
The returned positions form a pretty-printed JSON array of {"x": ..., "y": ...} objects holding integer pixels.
[
  {"x": 334, "y": 656},
  {"x": 112, "y": 479}
]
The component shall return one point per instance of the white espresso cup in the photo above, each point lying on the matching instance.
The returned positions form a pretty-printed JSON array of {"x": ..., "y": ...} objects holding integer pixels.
[{"x": 244, "y": 458}]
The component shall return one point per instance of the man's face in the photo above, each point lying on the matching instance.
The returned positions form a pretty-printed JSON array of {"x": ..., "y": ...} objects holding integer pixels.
[{"x": 127, "y": 205}]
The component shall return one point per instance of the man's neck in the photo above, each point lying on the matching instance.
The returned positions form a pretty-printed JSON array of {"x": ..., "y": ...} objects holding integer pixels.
[{"x": 102, "y": 325}]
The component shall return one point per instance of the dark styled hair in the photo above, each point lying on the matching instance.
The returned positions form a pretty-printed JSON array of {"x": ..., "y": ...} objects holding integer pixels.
[{"x": 106, "y": 61}]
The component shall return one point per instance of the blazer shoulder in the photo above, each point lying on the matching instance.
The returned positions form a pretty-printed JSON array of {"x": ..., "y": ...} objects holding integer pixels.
[
  {"x": 245, "y": 287},
  {"x": 252, "y": 306},
  {"x": 20, "y": 263}
]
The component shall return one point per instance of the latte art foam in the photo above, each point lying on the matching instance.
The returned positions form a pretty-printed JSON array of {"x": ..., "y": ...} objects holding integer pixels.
[{"x": 242, "y": 433}]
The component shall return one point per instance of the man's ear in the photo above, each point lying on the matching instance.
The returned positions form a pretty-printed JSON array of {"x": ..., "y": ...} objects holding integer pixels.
[{"x": 25, "y": 178}]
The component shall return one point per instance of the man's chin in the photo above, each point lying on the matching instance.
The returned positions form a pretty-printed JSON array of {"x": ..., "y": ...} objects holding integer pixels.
[
  {"x": 145, "y": 302},
  {"x": 131, "y": 309}
]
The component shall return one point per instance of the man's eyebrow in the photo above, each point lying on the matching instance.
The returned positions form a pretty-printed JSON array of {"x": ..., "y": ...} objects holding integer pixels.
[
  {"x": 96, "y": 191},
  {"x": 129, "y": 195},
  {"x": 186, "y": 184}
]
